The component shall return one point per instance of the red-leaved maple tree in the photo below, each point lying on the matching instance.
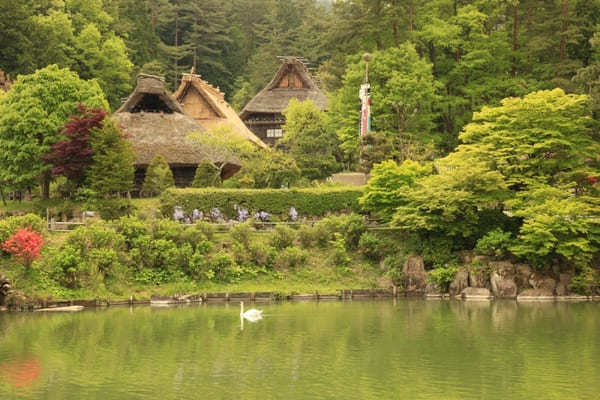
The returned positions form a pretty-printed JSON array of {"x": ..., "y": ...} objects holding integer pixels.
[
  {"x": 71, "y": 156},
  {"x": 25, "y": 245}
]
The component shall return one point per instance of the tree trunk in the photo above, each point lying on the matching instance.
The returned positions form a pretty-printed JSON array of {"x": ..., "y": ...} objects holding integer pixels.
[
  {"x": 45, "y": 187},
  {"x": 2, "y": 196},
  {"x": 563, "y": 32},
  {"x": 515, "y": 38},
  {"x": 395, "y": 30},
  {"x": 411, "y": 19}
]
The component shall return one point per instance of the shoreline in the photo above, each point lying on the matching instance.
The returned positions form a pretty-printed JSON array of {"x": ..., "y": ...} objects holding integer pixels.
[{"x": 265, "y": 297}]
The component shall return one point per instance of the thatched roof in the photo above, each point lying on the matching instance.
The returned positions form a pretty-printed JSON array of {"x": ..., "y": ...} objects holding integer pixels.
[
  {"x": 292, "y": 80},
  {"x": 207, "y": 105},
  {"x": 156, "y": 124}
]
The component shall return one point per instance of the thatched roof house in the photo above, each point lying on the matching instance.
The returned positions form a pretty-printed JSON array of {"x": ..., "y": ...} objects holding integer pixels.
[
  {"x": 207, "y": 105},
  {"x": 156, "y": 124},
  {"x": 263, "y": 113}
]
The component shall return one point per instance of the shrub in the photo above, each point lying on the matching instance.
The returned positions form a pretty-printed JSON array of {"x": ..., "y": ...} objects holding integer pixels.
[
  {"x": 158, "y": 176},
  {"x": 291, "y": 257},
  {"x": 241, "y": 233},
  {"x": 586, "y": 281},
  {"x": 351, "y": 227},
  {"x": 307, "y": 236},
  {"x": 369, "y": 245},
  {"x": 442, "y": 276},
  {"x": 282, "y": 237},
  {"x": 24, "y": 245},
  {"x": 307, "y": 202},
  {"x": 494, "y": 243},
  {"x": 340, "y": 257},
  {"x": 168, "y": 229},
  {"x": 131, "y": 228},
  {"x": 206, "y": 175},
  {"x": 261, "y": 254},
  {"x": 221, "y": 267},
  {"x": 206, "y": 228},
  {"x": 111, "y": 209},
  {"x": 11, "y": 225}
]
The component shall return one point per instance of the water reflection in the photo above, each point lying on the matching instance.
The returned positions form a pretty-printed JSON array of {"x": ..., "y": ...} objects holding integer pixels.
[{"x": 365, "y": 350}]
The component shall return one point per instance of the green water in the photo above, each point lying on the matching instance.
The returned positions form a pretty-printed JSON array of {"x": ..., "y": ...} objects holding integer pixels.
[{"x": 330, "y": 350}]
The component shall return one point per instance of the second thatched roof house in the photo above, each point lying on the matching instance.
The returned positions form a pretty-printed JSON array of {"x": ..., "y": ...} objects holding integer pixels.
[
  {"x": 263, "y": 114},
  {"x": 156, "y": 124},
  {"x": 207, "y": 105}
]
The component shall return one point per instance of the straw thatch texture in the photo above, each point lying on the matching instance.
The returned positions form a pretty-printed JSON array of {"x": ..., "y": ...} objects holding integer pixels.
[
  {"x": 207, "y": 105},
  {"x": 291, "y": 81},
  {"x": 155, "y": 124}
]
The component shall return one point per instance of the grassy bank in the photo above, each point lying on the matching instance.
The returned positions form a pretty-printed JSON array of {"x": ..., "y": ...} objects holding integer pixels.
[{"x": 144, "y": 257}]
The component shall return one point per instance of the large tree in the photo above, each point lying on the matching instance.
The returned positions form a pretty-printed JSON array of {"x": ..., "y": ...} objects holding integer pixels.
[
  {"x": 31, "y": 115},
  {"x": 308, "y": 140}
]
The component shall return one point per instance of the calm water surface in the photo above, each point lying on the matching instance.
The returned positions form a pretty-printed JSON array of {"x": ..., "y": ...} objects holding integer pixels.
[{"x": 353, "y": 350}]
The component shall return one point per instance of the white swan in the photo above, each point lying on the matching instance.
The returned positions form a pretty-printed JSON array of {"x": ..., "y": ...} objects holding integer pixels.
[{"x": 251, "y": 315}]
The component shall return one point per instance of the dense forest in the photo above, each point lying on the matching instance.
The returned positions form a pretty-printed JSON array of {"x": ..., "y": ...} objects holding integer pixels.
[{"x": 454, "y": 55}]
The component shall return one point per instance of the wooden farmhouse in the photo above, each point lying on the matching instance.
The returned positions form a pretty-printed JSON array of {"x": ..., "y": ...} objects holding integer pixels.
[
  {"x": 263, "y": 114},
  {"x": 207, "y": 105},
  {"x": 156, "y": 124}
]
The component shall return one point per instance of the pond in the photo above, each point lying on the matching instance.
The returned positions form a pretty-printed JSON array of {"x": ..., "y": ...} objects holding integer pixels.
[{"x": 405, "y": 349}]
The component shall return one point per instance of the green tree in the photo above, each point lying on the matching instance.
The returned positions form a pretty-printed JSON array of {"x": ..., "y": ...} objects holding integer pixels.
[
  {"x": 530, "y": 167},
  {"x": 403, "y": 95},
  {"x": 206, "y": 175},
  {"x": 308, "y": 140},
  {"x": 158, "y": 177},
  {"x": 111, "y": 171},
  {"x": 31, "y": 115}
]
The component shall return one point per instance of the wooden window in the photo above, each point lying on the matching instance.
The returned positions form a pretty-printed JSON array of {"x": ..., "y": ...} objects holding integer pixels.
[{"x": 274, "y": 133}]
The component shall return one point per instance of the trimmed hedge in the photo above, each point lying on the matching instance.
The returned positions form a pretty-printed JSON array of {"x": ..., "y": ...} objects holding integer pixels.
[{"x": 308, "y": 202}]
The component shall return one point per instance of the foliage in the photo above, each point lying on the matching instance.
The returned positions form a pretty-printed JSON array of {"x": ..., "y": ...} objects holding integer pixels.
[
  {"x": 110, "y": 209},
  {"x": 308, "y": 140},
  {"x": 25, "y": 245},
  {"x": 282, "y": 237},
  {"x": 350, "y": 227},
  {"x": 11, "y": 225},
  {"x": 495, "y": 243},
  {"x": 70, "y": 157},
  {"x": 388, "y": 185},
  {"x": 586, "y": 282},
  {"x": 370, "y": 245},
  {"x": 266, "y": 169},
  {"x": 442, "y": 276},
  {"x": 290, "y": 257},
  {"x": 241, "y": 233},
  {"x": 112, "y": 168},
  {"x": 308, "y": 202},
  {"x": 206, "y": 176},
  {"x": 340, "y": 257},
  {"x": 158, "y": 176},
  {"x": 31, "y": 115},
  {"x": 403, "y": 95}
]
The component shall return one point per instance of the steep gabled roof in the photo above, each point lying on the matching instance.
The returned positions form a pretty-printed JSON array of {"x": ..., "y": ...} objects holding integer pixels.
[
  {"x": 291, "y": 81},
  {"x": 155, "y": 124},
  {"x": 150, "y": 95},
  {"x": 207, "y": 105}
]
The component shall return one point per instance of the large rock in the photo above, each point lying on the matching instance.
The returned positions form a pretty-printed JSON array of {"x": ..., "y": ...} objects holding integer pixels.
[
  {"x": 536, "y": 295},
  {"x": 478, "y": 278},
  {"x": 460, "y": 282},
  {"x": 562, "y": 287},
  {"x": 414, "y": 276},
  {"x": 523, "y": 273},
  {"x": 540, "y": 281},
  {"x": 503, "y": 285},
  {"x": 4, "y": 289},
  {"x": 432, "y": 289},
  {"x": 472, "y": 293}
]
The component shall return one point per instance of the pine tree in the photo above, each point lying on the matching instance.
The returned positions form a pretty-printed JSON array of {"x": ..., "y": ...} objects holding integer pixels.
[
  {"x": 158, "y": 177},
  {"x": 111, "y": 171}
]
